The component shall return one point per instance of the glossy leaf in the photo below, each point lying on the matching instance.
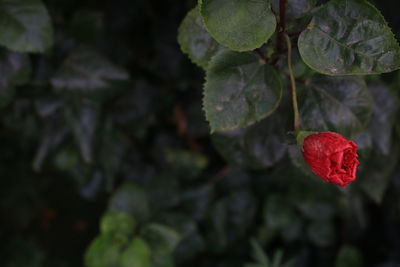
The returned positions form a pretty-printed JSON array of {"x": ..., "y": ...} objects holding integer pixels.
[
  {"x": 349, "y": 37},
  {"x": 25, "y": 26},
  {"x": 241, "y": 25},
  {"x": 239, "y": 91},
  {"x": 85, "y": 71},
  {"x": 195, "y": 41},
  {"x": 337, "y": 104},
  {"x": 256, "y": 147}
]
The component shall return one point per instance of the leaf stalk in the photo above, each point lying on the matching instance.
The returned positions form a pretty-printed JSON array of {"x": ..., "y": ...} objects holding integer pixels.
[{"x": 293, "y": 88}]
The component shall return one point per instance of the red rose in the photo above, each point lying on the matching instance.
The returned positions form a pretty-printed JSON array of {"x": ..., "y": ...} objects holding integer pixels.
[{"x": 332, "y": 157}]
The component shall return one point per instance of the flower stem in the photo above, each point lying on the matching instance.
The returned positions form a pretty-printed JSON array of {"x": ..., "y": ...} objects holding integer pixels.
[{"x": 293, "y": 85}]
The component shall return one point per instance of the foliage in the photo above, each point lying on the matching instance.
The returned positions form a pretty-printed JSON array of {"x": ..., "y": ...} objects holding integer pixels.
[{"x": 118, "y": 151}]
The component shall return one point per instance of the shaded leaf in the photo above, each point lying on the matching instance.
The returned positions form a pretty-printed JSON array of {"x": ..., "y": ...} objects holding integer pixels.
[
  {"x": 338, "y": 104},
  {"x": 162, "y": 239},
  {"x": 349, "y": 37},
  {"x": 83, "y": 118},
  {"x": 15, "y": 69},
  {"x": 384, "y": 116},
  {"x": 86, "y": 71},
  {"x": 321, "y": 233},
  {"x": 195, "y": 41},
  {"x": 239, "y": 91},
  {"x": 132, "y": 200},
  {"x": 348, "y": 257},
  {"x": 375, "y": 176},
  {"x": 25, "y": 26},
  {"x": 241, "y": 25},
  {"x": 295, "y": 8},
  {"x": 255, "y": 147}
]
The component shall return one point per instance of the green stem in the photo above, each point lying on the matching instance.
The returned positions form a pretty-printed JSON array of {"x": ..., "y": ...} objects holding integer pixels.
[{"x": 293, "y": 85}]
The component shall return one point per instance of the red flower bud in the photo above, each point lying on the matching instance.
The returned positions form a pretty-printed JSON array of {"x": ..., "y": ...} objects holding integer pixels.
[{"x": 332, "y": 157}]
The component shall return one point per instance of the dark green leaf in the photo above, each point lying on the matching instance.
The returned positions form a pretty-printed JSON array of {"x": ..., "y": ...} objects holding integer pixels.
[
  {"x": 348, "y": 257},
  {"x": 317, "y": 211},
  {"x": 241, "y": 25},
  {"x": 239, "y": 90},
  {"x": 185, "y": 163},
  {"x": 162, "y": 239},
  {"x": 195, "y": 41},
  {"x": 277, "y": 214},
  {"x": 85, "y": 71},
  {"x": 255, "y": 147},
  {"x": 162, "y": 260},
  {"x": 349, "y": 37},
  {"x": 25, "y": 26},
  {"x": 321, "y": 233},
  {"x": 383, "y": 118},
  {"x": 375, "y": 176},
  {"x": 294, "y": 8},
  {"x": 83, "y": 118},
  {"x": 132, "y": 200},
  {"x": 15, "y": 69},
  {"x": 338, "y": 104}
]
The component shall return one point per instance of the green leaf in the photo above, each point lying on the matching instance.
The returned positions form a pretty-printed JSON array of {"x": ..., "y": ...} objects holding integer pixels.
[
  {"x": 103, "y": 252},
  {"x": 132, "y": 200},
  {"x": 195, "y": 41},
  {"x": 348, "y": 257},
  {"x": 349, "y": 37},
  {"x": 338, "y": 104},
  {"x": 239, "y": 91},
  {"x": 162, "y": 239},
  {"x": 255, "y": 147},
  {"x": 25, "y": 26},
  {"x": 86, "y": 71},
  {"x": 241, "y": 25},
  {"x": 138, "y": 254},
  {"x": 117, "y": 224}
]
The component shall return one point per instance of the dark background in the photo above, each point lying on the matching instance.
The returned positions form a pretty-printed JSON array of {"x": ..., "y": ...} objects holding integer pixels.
[{"x": 63, "y": 154}]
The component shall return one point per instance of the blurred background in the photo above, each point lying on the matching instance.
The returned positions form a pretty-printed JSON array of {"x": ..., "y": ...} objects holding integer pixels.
[{"x": 106, "y": 159}]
